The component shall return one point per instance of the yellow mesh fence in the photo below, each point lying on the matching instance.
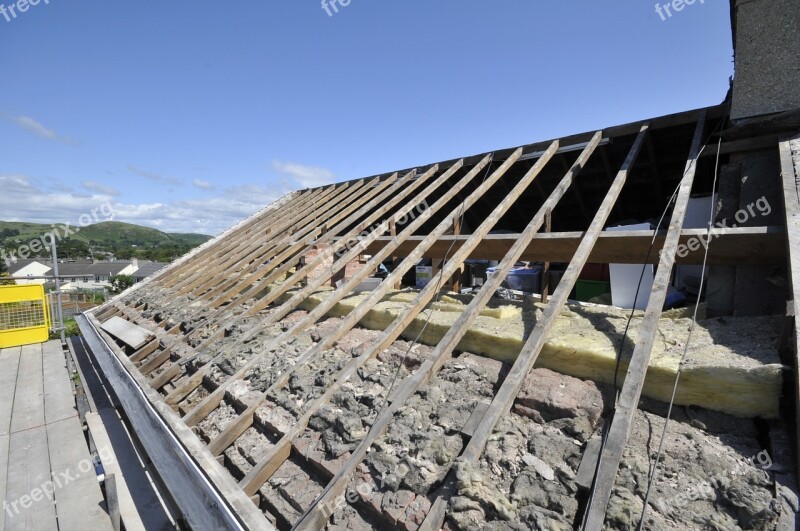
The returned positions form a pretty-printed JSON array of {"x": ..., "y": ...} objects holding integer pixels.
[{"x": 24, "y": 316}]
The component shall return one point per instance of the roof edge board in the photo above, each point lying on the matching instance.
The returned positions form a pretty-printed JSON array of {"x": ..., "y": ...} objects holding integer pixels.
[{"x": 630, "y": 128}]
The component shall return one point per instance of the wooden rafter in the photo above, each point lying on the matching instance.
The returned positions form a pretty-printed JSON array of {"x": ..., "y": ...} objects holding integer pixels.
[
  {"x": 356, "y": 233},
  {"x": 297, "y": 225},
  {"x": 732, "y": 246},
  {"x": 235, "y": 429},
  {"x": 790, "y": 170},
  {"x": 235, "y": 285},
  {"x": 504, "y": 399},
  {"x": 192, "y": 382},
  {"x": 268, "y": 229},
  {"x": 290, "y": 247},
  {"x": 317, "y": 514},
  {"x": 218, "y": 246},
  {"x": 174, "y": 370},
  {"x": 628, "y": 401},
  {"x": 211, "y": 401}
]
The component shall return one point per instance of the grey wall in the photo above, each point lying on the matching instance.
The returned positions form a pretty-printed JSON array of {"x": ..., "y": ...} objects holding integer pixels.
[{"x": 767, "y": 38}]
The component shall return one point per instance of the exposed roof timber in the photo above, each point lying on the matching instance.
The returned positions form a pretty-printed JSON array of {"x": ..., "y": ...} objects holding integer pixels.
[
  {"x": 211, "y": 401},
  {"x": 563, "y": 149},
  {"x": 504, "y": 399},
  {"x": 632, "y": 128},
  {"x": 301, "y": 223},
  {"x": 228, "y": 279},
  {"x": 628, "y": 401},
  {"x": 178, "y": 463},
  {"x": 218, "y": 246},
  {"x": 746, "y": 245},
  {"x": 317, "y": 513},
  {"x": 263, "y": 470},
  {"x": 302, "y": 240},
  {"x": 191, "y": 383},
  {"x": 278, "y": 313},
  {"x": 790, "y": 169},
  {"x": 781, "y": 122}
]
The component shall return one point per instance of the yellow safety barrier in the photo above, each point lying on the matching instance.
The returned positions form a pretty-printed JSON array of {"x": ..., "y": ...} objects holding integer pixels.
[{"x": 24, "y": 316}]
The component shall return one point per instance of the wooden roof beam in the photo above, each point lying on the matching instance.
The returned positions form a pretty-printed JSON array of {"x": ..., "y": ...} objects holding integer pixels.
[{"x": 628, "y": 402}]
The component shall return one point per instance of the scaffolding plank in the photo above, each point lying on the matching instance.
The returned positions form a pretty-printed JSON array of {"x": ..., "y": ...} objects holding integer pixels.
[
  {"x": 59, "y": 399},
  {"x": 78, "y": 502},
  {"x": 3, "y": 476},
  {"x": 9, "y": 366},
  {"x": 28, "y": 409},
  {"x": 28, "y": 469},
  {"x": 127, "y": 508}
]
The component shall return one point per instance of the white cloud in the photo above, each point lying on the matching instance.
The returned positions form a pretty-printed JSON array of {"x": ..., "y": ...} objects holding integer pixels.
[
  {"x": 100, "y": 188},
  {"x": 38, "y": 129},
  {"x": 152, "y": 176},
  {"x": 203, "y": 185},
  {"x": 26, "y": 200},
  {"x": 32, "y": 126},
  {"x": 306, "y": 176}
]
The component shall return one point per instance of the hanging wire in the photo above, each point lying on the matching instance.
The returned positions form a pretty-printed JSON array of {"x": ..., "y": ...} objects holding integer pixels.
[
  {"x": 654, "y": 470},
  {"x": 439, "y": 283},
  {"x": 607, "y": 425}
]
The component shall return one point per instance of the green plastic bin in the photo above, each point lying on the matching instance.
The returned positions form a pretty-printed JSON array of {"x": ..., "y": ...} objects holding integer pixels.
[{"x": 585, "y": 290}]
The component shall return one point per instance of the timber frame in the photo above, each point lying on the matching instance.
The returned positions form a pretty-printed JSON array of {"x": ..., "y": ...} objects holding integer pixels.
[{"x": 308, "y": 238}]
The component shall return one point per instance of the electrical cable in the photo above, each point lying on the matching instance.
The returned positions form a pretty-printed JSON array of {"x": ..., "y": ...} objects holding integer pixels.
[
  {"x": 439, "y": 283},
  {"x": 654, "y": 469},
  {"x": 606, "y": 427}
]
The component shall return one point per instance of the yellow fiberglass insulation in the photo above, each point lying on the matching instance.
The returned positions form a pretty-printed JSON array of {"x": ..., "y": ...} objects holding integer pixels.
[{"x": 732, "y": 364}]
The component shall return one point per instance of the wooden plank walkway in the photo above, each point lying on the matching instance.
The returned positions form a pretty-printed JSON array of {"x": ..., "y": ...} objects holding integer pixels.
[{"x": 47, "y": 478}]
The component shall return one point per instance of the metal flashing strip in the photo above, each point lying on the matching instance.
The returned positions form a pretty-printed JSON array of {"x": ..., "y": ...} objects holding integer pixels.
[{"x": 201, "y": 505}]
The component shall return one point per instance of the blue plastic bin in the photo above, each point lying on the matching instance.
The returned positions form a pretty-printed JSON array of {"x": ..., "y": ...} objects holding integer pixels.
[{"x": 522, "y": 279}]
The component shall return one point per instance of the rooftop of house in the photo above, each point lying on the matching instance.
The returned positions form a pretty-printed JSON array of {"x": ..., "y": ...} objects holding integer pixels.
[{"x": 89, "y": 268}]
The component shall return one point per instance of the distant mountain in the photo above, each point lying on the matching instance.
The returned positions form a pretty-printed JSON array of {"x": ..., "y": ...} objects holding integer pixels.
[{"x": 122, "y": 240}]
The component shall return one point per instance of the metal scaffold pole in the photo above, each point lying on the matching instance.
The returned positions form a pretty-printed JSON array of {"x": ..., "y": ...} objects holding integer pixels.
[{"x": 60, "y": 312}]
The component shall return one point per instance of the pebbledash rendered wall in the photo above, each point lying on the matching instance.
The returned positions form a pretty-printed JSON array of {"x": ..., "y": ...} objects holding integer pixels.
[{"x": 767, "y": 76}]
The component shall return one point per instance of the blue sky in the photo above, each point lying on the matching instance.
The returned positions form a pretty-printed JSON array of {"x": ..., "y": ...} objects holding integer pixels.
[{"x": 189, "y": 116}]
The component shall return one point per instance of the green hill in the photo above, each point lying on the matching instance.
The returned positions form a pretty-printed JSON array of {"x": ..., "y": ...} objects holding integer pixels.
[{"x": 123, "y": 240}]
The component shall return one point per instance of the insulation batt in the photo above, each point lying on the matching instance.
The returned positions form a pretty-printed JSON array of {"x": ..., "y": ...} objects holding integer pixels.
[{"x": 732, "y": 363}]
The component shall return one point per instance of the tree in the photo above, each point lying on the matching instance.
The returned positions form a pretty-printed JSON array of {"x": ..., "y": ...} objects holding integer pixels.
[
  {"x": 120, "y": 283},
  {"x": 5, "y": 281}
]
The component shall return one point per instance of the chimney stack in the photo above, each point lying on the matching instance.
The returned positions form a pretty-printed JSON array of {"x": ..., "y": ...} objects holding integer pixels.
[{"x": 767, "y": 52}]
